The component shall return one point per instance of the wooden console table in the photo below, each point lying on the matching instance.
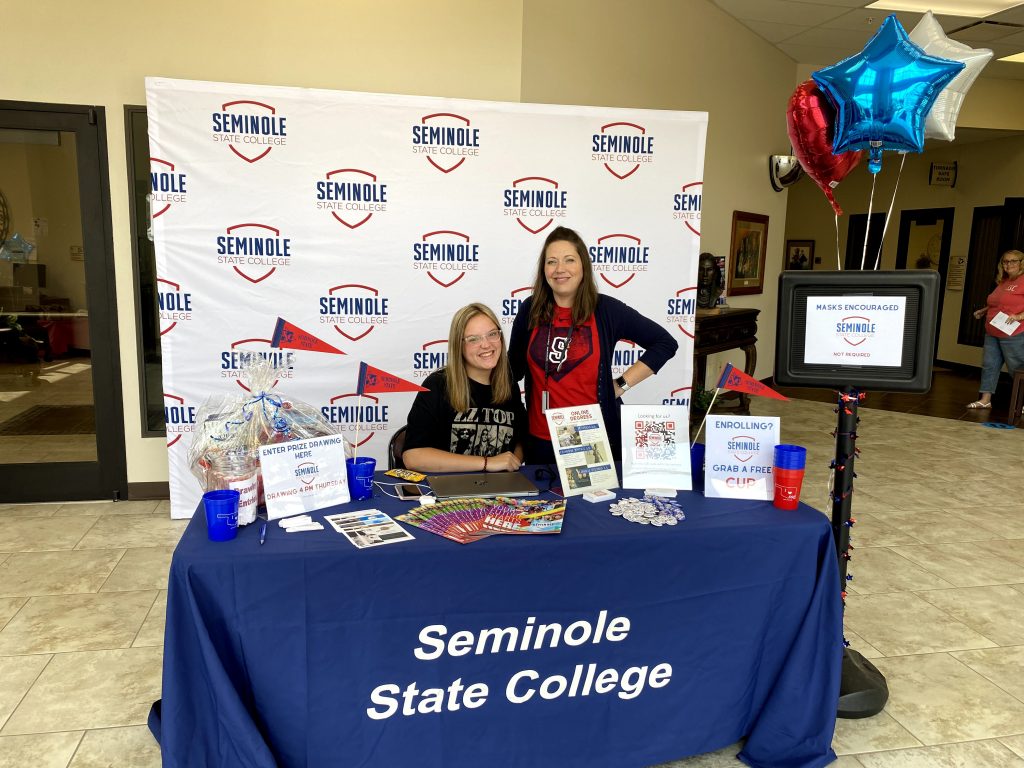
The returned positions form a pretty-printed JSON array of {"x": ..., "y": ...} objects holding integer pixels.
[{"x": 722, "y": 329}]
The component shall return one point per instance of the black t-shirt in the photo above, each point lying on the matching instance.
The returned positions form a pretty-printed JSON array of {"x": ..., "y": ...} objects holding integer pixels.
[{"x": 486, "y": 429}]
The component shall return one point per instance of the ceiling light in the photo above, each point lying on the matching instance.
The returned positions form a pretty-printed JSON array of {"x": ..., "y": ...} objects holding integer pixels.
[{"x": 975, "y": 9}]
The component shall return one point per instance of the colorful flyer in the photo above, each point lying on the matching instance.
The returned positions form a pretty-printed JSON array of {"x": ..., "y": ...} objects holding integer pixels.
[
  {"x": 739, "y": 455},
  {"x": 368, "y": 528},
  {"x": 303, "y": 475},
  {"x": 582, "y": 451},
  {"x": 656, "y": 447}
]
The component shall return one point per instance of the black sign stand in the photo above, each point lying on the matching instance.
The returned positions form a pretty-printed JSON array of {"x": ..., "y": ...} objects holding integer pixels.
[{"x": 862, "y": 691}]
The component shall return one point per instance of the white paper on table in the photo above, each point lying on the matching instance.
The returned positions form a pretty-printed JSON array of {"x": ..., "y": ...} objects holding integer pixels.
[
  {"x": 656, "y": 447},
  {"x": 303, "y": 475},
  {"x": 1002, "y": 322},
  {"x": 368, "y": 528},
  {"x": 582, "y": 451},
  {"x": 739, "y": 455}
]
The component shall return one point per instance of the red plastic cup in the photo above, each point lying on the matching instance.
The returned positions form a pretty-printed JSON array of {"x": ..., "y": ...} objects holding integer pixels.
[{"x": 787, "y": 487}]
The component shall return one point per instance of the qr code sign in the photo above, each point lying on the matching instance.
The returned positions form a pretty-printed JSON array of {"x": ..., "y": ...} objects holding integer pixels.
[{"x": 655, "y": 439}]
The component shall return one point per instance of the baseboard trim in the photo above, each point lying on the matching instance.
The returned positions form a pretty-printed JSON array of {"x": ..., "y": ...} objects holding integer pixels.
[
  {"x": 958, "y": 367},
  {"x": 147, "y": 491}
]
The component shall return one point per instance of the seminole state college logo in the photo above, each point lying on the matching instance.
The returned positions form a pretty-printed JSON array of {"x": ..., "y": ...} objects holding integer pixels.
[
  {"x": 254, "y": 251},
  {"x": 174, "y": 305},
  {"x": 743, "y": 447},
  {"x": 510, "y": 304},
  {"x": 354, "y": 310},
  {"x": 168, "y": 185},
  {"x": 535, "y": 202},
  {"x": 179, "y": 416},
  {"x": 686, "y": 205},
  {"x": 618, "y": 257},
  {"x": 622, "y": 148},
  {"x": 250, "y": 128},
  {"x": 353, "y": 196},
  {"x": 358, "y": 417},
  {"x": 243, "y": 351},
  {"x": 446, "y": 255},
  {"x": 446, "y": 140},
  {"x": 682, "y": 309},
  {"x": 855, "y": 329},
  {"x": 431, "y": 356}
]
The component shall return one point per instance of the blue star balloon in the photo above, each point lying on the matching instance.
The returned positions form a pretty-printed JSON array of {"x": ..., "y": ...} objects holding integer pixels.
[{"x": 883, "y": 94}]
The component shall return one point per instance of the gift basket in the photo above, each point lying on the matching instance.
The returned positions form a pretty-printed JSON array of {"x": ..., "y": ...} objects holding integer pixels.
[{"x": 230, "y": 430}]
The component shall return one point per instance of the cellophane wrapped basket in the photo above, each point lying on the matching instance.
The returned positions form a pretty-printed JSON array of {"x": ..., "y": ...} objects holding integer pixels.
[{"x": 230, "y": 429}]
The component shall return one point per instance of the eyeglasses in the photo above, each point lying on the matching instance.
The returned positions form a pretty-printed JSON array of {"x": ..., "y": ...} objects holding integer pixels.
[
  {"x": 1010, "y": 261},
  {"x": 476, "y": 341}
]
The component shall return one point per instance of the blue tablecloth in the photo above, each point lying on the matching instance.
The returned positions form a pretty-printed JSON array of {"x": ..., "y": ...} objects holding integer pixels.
[{"x": 271, "y": 653}]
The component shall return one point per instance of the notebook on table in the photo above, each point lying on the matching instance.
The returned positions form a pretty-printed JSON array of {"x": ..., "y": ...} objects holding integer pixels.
[{"x": 484, "y": 484}]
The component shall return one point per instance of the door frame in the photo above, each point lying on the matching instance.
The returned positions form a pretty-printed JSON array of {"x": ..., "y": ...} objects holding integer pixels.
[
  {"x": 924, "y": 216},
  {"x": 105, "y": 478}
]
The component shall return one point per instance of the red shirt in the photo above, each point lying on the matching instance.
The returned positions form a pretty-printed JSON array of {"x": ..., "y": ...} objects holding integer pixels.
[
  {"x": 1008, "y": 297},
  {"x": 571, "y": 373}
]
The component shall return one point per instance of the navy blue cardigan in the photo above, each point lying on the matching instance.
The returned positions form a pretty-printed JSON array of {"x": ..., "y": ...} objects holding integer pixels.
[{"x": 615, "y": 321}]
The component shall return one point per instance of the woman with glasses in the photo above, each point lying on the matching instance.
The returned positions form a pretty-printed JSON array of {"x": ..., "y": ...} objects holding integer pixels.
[
  {"x": 1002, "y": 346},
  {"x": 471, "y": 418},
  {"x": 563, "y": 338}
]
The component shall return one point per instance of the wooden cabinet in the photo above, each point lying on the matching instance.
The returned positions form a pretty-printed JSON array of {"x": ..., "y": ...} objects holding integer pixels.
[{"x": 719, "y": 330}]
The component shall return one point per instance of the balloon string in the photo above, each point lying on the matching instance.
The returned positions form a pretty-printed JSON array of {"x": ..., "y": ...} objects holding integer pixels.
[
  {"x": 888, "y": 216},
  {"x": 867, "y": 226},
  {"x": 839, "y": 264}
]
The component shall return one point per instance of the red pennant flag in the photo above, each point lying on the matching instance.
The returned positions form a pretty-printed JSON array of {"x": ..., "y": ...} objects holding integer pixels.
[
  {"x": 375, "y": 380},
  {"x": 738, "y": 381},
  {"x": 288, "y": 336}
]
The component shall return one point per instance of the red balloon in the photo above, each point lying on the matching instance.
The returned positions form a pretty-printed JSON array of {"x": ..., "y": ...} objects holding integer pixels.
[{"x": 809, "y": 118}]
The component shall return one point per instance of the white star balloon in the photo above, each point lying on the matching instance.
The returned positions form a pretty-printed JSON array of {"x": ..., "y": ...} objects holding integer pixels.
[{"x": 928, "y": 34}]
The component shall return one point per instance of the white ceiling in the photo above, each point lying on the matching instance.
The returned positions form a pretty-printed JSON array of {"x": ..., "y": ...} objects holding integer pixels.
[{"x": 823, "y": 32}]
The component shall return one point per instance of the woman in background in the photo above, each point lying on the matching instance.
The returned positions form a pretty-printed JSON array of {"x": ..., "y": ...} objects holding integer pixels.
[
  {"x": 1000, "y": 347},
  {"x": 563, "y": 338},
  {"x": 471, "y": 419}
]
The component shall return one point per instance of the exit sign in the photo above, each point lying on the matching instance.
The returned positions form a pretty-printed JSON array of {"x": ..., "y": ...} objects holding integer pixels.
[{"x": 942, "y": 175}]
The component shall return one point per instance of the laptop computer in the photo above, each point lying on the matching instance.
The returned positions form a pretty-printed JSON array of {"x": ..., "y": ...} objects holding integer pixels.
[{"x": 484, "y": 484}]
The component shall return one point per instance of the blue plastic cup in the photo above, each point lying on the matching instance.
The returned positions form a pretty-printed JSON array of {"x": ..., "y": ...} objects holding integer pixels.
[
  {"x": 790, "y": 456},
  {"x": 697, "y": 465},
  {"x": 221, "y": 514},
  {"x": 360, "y": 477}
]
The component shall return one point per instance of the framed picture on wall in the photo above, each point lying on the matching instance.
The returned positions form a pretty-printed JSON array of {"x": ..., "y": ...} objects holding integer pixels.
[
  {"x": 799, "y": 254},
  {"x": 747, "y": 253}
]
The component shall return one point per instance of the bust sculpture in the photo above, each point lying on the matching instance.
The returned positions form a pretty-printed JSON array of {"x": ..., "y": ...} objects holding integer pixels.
[{"x": 709, "y": 281}]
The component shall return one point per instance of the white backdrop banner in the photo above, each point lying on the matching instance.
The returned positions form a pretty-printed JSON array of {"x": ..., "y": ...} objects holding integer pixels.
[{"x": 367, "y": 219}]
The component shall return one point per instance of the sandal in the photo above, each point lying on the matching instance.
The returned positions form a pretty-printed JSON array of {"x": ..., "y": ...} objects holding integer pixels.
[{"x": 978, "y": 405}]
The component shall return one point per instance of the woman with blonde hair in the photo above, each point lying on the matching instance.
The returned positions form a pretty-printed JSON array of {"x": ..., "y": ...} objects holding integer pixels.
[
  {"x": 471, "y": 418},
  {"x": 1000, "y": 346}
]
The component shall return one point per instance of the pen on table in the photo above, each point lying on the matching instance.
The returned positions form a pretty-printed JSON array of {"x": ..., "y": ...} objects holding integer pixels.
[{"x": 263, "y": 534}]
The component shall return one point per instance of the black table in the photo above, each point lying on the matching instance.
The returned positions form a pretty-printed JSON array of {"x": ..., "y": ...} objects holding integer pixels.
[{"x": 272, "y": 654}]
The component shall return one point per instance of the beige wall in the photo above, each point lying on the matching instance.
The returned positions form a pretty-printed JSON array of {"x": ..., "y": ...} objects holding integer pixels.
[
  {"x": 665, "y": 54},
  {"x": 988, "y": 172}
]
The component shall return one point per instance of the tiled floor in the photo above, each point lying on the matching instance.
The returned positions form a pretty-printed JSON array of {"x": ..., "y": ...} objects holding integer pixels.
[
  {"x": 58, "y": 382},
  {"x": 937, "y": 602}
]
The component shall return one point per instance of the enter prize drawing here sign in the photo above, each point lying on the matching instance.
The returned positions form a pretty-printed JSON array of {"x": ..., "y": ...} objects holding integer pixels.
[
  {"x": 303, "y": 475},
  {"x": 855, "y": 330},
  {"x": 739, "y": 456}
]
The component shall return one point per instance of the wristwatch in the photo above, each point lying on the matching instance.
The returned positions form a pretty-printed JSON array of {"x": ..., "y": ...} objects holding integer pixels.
[{"x": 622, "y": 383}]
